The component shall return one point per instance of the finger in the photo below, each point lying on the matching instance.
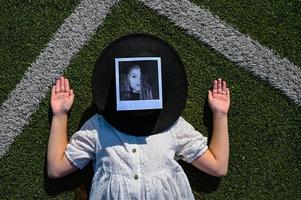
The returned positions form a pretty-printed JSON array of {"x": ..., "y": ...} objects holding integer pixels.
[
  {"x": 228, "y": 92},
  {"x": 67, "y": 87},
  {"x": 57, "y": 86},
  {"x": 62, "y": 87},
  {"x": 71, "y": 94},
  {"x": 224, "y": 85},
  {"x": 224, "y": 88},
  {"x": 215, "y": 87},
  {"x": 219, "y": 86}
]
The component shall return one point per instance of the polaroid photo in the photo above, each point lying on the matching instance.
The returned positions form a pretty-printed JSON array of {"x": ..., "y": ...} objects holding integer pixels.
[{"x": 138, "y": 83}]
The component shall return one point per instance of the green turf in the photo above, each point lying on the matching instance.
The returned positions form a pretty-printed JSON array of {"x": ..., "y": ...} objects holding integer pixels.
[
  {"x": 264, "y": 126},
  {"x": 26, "y": 27},
  {"x": 275, "y": 24}
]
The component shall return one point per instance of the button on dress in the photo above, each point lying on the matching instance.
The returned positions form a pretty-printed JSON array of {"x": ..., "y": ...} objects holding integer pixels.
[{"x": 136, "y": 167}]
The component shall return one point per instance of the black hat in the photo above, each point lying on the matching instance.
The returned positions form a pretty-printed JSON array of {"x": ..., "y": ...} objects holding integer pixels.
[{"x": 139, "y": 84}]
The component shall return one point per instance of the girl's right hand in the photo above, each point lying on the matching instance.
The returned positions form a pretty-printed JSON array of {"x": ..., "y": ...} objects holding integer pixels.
[{"x": 61, "y": 97}]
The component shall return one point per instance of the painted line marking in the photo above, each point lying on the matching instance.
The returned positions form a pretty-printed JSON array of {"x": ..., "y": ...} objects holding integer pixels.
[
  {"x": 24, "y": 100},
  {"x": 245, "y": 52}
]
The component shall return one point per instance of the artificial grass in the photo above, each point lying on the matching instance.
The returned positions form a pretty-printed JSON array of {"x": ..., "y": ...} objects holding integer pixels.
[
  {"x": 26, "y": 27},
  {"x": 264, "y": 126},
  {"x": 275, "y": 24}
]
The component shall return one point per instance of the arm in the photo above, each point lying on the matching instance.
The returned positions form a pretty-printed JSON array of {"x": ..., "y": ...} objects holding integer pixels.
[
  {"x": 215, "y": 160},
  {"x": 61, "y": 101}
]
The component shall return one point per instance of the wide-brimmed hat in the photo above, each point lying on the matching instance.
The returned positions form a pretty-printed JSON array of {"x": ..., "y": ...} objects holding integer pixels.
[{"x": 139, "y": 84}]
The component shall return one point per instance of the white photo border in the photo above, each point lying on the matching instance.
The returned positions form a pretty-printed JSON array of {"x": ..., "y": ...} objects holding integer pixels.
[{"x": 138, "y": 104}]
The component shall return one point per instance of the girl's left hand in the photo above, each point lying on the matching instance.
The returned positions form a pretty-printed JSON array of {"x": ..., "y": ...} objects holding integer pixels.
[{"x": 219, "y": 97}]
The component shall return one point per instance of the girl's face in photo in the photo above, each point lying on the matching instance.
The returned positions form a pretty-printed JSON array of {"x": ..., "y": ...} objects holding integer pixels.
[{"x": 134, "y": 78}]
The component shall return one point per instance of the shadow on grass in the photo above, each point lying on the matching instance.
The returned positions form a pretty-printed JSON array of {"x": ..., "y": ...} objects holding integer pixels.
[
  {"x": 200, "y": 181},
  {"x": 80, "y": 181}
]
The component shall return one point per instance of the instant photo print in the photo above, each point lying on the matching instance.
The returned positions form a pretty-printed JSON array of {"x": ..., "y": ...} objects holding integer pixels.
[{"x": 138, "y": 83}]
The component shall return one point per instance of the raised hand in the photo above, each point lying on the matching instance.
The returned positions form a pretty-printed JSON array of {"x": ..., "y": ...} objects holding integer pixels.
[
  {"x": 219, "y": 97},
  {"x": 61, "y": 97}
]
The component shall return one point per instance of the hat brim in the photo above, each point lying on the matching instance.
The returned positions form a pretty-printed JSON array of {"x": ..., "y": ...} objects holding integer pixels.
[{"x": 174, "y": 85}]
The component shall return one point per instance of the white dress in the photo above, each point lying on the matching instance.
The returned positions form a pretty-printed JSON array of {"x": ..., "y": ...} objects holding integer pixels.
[{"x": 136, "y": 167}]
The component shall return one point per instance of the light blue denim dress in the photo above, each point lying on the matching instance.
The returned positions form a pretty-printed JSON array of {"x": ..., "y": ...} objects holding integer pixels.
[{"x": 136, "y": 167}]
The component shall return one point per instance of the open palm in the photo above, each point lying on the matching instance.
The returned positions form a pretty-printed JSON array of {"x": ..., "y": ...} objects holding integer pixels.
[
  {"x": 219, "y": 97},
  {"x": 61, "y": 97}
]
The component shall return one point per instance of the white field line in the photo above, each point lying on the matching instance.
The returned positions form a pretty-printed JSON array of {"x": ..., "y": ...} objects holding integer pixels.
[
  {"x": 77, "y": 29},
  {"x": 245, "y": 52}
]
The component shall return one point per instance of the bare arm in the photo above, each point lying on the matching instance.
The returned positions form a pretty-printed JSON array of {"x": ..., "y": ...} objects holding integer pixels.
[
  {"x": 61, "y": 101},
  {"x": 215, "y": 160}
]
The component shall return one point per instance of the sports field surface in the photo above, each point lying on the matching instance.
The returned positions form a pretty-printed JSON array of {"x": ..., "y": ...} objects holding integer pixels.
[{"x": 255, "y": 45}]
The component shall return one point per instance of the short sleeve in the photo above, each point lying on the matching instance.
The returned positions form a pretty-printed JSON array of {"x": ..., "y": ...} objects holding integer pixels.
[
  {"x": 82, "y": 145},
  {"x": 190, "y": 144}
]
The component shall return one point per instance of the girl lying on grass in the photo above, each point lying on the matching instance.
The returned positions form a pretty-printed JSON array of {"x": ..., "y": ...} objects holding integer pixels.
[{"x": 137, "y": 167}]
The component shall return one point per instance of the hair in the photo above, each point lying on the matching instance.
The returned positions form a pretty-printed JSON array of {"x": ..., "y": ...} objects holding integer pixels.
[{"x": 145, "y": 87}]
